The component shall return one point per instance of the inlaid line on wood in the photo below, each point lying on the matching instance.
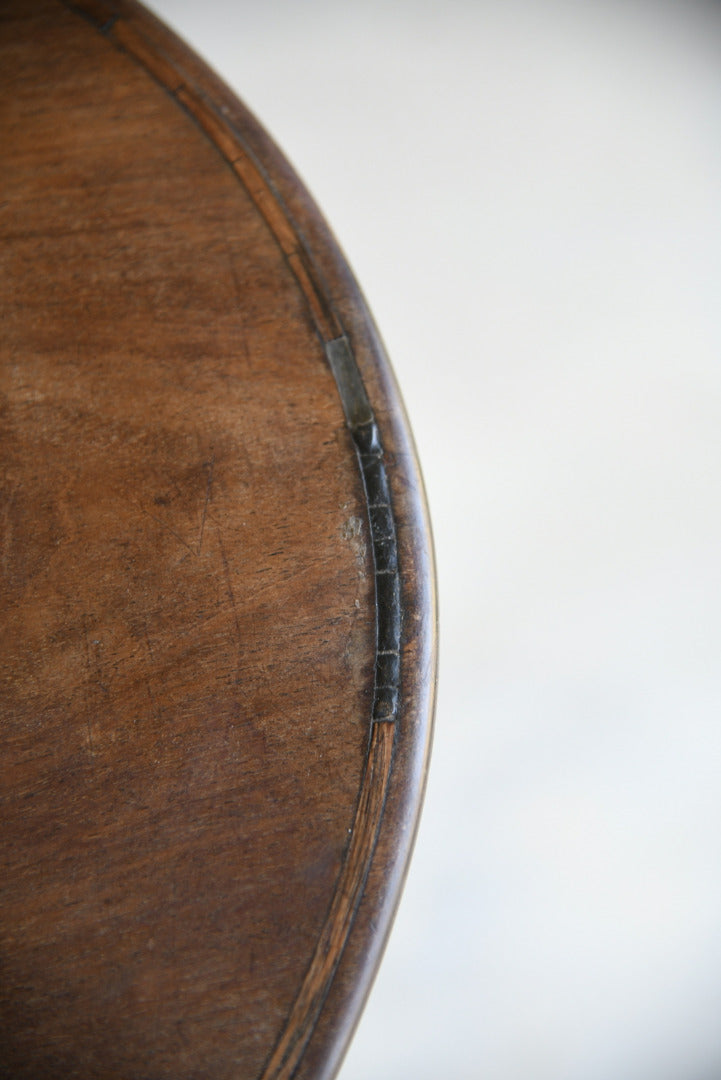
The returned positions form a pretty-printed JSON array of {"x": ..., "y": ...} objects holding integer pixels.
[
  {"x": 130, "y": 34},
  {"x": 349, "y": 887}
]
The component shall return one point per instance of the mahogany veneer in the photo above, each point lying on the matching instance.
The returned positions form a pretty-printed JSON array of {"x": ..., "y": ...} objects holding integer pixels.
[{"x": 217, "y": 653}]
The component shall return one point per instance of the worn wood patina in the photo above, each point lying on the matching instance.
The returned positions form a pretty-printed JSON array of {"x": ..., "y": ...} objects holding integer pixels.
[{"x": 217, "y": 652}]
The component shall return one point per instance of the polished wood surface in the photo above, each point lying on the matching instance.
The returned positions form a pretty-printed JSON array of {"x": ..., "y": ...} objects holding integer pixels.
[{"x": 217, "y": 652}]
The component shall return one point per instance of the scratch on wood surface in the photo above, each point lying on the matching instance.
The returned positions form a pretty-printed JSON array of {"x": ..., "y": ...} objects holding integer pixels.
[
  {"x": 352, "y": 531},
  {"x": 8, "y": 526},
  {"x": 89, "y": 669},
  {"x": 233, "y": 604},
  {"x": 239, "y": 294},
  {"x": 164, "y": 525},
  {"x": 209, "y": 467},
  {"x": 151, "y": 695}
]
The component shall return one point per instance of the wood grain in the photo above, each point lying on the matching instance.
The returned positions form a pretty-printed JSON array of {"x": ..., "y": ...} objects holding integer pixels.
[{"x": 218, "y": 624}]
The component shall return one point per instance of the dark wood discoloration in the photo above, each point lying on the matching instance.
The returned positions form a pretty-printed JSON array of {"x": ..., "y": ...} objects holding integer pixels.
[{"x": 218, "y": 648}]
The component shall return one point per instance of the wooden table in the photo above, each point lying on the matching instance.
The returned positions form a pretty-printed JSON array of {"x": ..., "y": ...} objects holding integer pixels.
[{"x": 217, "y": 650}]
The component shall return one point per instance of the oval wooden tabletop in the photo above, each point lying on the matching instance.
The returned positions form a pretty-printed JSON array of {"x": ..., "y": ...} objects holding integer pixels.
[{"x": 217, "y": 653}]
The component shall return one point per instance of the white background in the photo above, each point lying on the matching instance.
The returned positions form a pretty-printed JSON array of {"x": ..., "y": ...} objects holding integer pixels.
[{"x": 530, "y": 195}]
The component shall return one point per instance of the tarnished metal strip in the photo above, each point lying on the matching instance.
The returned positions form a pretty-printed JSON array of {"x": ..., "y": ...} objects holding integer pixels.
[{"x": 369, "y": 449}]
